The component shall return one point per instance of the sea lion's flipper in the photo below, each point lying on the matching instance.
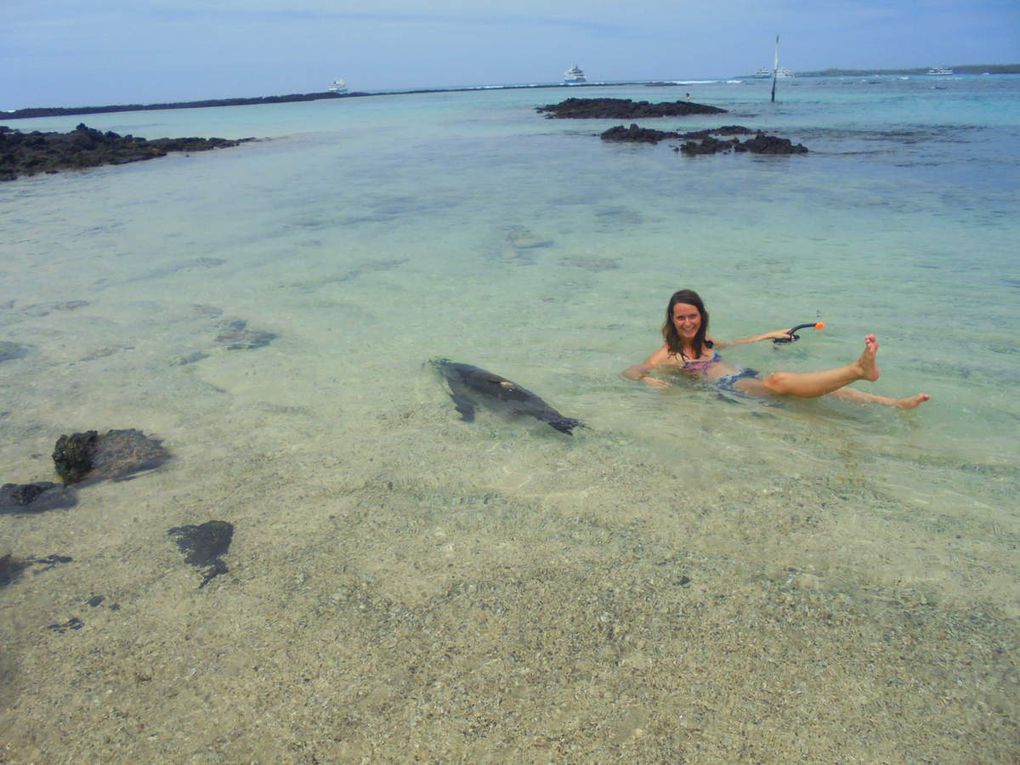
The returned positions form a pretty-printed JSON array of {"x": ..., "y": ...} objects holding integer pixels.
[{"x": 465, "y": 406}]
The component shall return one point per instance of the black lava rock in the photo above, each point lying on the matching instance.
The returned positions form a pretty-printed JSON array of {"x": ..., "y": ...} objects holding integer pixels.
[
  {"x": 73, "y": 455},
  {"x": 36, "y": 152},
  {"x": 116, "y": 455},
  {"x": 635, "y": 134},
  {"x": 622, "y": 108}
]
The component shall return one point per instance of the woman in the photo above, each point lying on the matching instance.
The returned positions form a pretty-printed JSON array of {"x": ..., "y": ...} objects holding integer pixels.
[{"x": 689, "y": 348}]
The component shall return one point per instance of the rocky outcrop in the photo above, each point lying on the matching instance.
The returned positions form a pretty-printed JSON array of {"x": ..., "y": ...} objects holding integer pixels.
[
  {"x": 84, "y": 147},
  {"x": 115, "y": 455},
  {"x": 760, "y": 144},
  {"x": 622, "y": 109},
  {"x": 635, "y": 134},
  {"x": 706, "y": 141}
]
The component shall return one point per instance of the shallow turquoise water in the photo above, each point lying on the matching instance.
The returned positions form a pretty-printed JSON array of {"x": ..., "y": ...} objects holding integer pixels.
[{"x": 373, "y": 234}]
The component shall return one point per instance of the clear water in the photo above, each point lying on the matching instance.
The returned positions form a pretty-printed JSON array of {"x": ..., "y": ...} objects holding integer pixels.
[{"x": 373, "y": 234}]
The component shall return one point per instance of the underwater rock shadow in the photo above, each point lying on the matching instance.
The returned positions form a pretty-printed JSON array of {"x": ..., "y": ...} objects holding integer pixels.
[
  {"x": 203, "y": 545},
  {"x": 31, "y": 498}
]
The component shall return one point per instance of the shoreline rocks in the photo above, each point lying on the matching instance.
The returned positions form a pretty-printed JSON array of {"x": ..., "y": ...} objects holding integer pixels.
[
  {"x": 622, "y": 108},
  {"x": 84, "y": 147},
  {"x": 700, "y": 142}
]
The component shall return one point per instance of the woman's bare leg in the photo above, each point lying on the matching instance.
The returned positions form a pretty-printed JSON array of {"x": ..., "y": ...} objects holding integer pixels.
[
  {"x": 860, "y": 397},
  {"x": 814, "y": 384},
  {"x": 834, "y": 381}
]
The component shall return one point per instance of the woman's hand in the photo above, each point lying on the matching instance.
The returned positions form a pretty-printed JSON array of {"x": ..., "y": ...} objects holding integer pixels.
[{"x": 641, "y": 372}]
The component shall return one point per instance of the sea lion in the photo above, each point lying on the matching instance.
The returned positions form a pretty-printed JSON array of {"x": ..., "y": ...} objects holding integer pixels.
[{"x": 471, "y": 386}]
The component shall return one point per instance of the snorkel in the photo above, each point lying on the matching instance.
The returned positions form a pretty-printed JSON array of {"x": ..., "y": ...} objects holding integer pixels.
[{"x": 792, "y": 332}]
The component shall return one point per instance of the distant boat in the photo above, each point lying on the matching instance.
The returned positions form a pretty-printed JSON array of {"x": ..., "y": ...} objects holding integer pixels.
[
  {"x": 339, "y": 87},
  {"x": 574, "y": 76},
  {"x": 940, "y": 71}
]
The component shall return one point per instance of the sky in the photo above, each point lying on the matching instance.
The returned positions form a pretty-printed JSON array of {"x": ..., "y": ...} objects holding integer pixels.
[{"x": 74, "y": 53}]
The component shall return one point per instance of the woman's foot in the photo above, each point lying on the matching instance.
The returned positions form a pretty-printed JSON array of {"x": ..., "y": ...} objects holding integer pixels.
[
  {"x": 913, "y": 402},
  {"x": 867, "y": 362}
]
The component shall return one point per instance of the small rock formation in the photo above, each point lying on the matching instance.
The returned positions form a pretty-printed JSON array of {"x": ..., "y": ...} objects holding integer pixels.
[
  {"x": 760, "y": 144},
  {"x": 635, "y": 134},
  {"x": 235, "y": 336},
  {"x": 522, "y": 238},
  {"x": 36, "y": 152},
  {"x": 622, "y": 108},
  {"x": 73, "y": 455},
  {"x": 116, "y": 455},
  {"x": 203, "y": 545}
]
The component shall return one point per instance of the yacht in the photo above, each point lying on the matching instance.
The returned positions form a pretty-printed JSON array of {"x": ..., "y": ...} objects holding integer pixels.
[
  {"x": 940, "y": 71},
  {"x": 574, "y": 76},
  {"x": 338, "y": 86}
]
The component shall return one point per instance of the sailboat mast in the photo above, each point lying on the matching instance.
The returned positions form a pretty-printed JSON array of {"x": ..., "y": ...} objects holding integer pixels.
[{"x": 775, "y": 70}]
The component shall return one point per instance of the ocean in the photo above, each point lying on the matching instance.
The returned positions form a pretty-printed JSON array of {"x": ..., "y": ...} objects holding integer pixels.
[{"x": 688, "y": 578}]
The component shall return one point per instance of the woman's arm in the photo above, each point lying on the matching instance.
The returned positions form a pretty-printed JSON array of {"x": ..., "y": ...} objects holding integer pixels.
[
  {"x": 777, "y": 335},
  {"x": 642, "y": 371}
]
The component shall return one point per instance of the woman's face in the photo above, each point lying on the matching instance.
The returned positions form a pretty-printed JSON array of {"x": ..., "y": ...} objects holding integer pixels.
[{"x": 687, "y": 320}]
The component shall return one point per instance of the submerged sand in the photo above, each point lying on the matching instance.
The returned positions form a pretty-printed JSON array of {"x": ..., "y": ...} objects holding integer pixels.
[{"x": 444, "y": 592}]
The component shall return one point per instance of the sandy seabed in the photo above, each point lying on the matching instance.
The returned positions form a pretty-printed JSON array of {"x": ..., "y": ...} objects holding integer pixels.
[{"x": 434, "y": 591}]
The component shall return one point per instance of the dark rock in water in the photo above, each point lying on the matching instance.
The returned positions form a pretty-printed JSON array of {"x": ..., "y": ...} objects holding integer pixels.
[
  {"x": 724, "y": 130},
  {"x": 622, "y": 108},
  {"x": 74, "y": 623},
  {"x": 236, "y": 336},
  {"x": 707, "y": 143},
  {"x": 635, "y": 134},
  {"x": 73, "y": 455},
  {"x": 770, "y": 144},
  {"x": 471, "y": 386},
  {"x": 522, "y": 238},
  {"x": 203, "y": 545},
  {"x": 116, "y": 455},
  {"x": 84, "y": 147},
  {"x": 16, "y": 498},
  {"x": 191, "y": 358},
  {"x": 95, "y": 600},
  {"x": 9, "y": 351}
]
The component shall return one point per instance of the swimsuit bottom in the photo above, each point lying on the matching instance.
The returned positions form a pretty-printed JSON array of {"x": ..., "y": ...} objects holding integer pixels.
[{"x": 729, "y": 383}]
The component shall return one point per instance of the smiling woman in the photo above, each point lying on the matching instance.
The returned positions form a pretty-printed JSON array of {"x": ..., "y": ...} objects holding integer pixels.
[{"x": 689, "y": 349}]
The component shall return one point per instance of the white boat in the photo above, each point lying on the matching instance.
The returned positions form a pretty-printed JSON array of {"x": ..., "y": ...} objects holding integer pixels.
[
  {"x": 574, "y": 76},
  {"x": 339, "y": 87},
  {"x": 940, "y": 71}
]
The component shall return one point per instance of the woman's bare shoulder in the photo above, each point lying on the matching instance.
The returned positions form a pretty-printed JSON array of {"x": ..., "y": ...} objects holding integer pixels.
[{"x": 660, "y": 357}]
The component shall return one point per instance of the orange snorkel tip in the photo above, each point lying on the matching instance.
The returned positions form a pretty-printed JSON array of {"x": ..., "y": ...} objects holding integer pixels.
[{"x": 819, "y": 325}]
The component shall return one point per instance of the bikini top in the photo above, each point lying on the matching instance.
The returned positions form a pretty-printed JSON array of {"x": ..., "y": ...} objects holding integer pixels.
[{"x": 700, "y": 365}]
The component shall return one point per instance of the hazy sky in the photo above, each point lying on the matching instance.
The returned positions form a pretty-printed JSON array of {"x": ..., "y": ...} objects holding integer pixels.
[{"x": 70, "y": 52}]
